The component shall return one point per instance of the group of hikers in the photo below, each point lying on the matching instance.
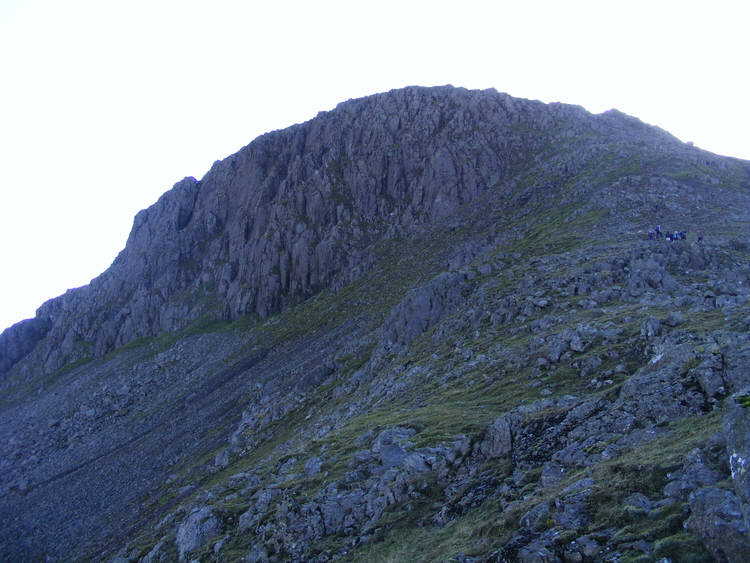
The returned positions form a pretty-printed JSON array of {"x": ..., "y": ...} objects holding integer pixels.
[{"x": 657, "y": 233}]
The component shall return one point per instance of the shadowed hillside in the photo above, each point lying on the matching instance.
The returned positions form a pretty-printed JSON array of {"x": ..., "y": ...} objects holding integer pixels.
[{"x": 428, "y": 324}]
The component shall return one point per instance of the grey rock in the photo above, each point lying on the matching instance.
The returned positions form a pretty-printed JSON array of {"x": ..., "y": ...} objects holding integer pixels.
[
  {"x": 737, "y": 436},
  {"x": 589, "y": 547},
  {"x": 709, "y": 376},
  {"x": 695, "y": 473},
  {"x": 555, "y": 348},
  {"x": 674, "y": 318},
  {"x": 333, "y": 517},
  {"x": 537, "y": 552},
  {"x": 222, "y": 458},
  {"x": 658, "y": 395},
  {"x": 392, "y": 436},
  {"x": 736, "y": 358},
  {"x": 417, "y": 462},
  {"x": 715, "y": 517},
  {"x": 20, "y": 339},
  {"x": 459, "y": 449},
  {"x": 582, "y": 338},
  {"x": 309, "y": 210},
  {"x": 537, "y": 518},
  {"x": 197, "y": 529},
  {"x": 579, "y": 485},
  {"x": 255, "y": 255},
  {"x": 155, "y": 554},
  {"x": 552, "y": 474},
  {"x": 638, "y": 500},
  {"x": 261, "y": 502},
  {"x": 257, "y": 554},
  {"x": 220, "y": 544},
  {"x": 651, "y": 328},
  {"x": 391, "y": 454},
  {"x": 498, "y": 437},
  {"x": 420, "y": 309},
  {"x": 572, "y": 511},
  {"x": 313, "y": 466}
]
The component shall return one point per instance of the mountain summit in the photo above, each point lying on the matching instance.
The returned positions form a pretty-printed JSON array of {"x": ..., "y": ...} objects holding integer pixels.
[
  {"x": 429, "y": 317},
  {"x": 297, "y": 211}
]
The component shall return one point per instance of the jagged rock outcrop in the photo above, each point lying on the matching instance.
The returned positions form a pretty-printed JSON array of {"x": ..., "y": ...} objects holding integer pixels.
[
  {"x": 436, "y": 329},
  {"x": 20, "y": 339},
  {"x": 296, "y": 211},
  {"x": 197, "y": 529}
]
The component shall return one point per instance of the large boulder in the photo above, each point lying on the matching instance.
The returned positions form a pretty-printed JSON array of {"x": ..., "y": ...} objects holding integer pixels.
[
  {"x": 715, "y": 517},
  {"x": 737, "y": 435},
  {"x": 197, "y": 529},
  {"x": 498, "y": 438}
]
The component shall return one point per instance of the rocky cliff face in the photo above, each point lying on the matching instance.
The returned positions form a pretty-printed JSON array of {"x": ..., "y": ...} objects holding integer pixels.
[
  {"x": 296, "y": 211},
  {"x": 430, "y": 317}
]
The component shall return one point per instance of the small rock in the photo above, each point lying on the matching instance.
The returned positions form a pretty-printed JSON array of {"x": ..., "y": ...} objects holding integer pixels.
[
  {"x": 638, "y": 500},
  {"x": 222, "y": 459},
  {"x": 313, "y": 466},
  {"x": 674, "y": 319}
]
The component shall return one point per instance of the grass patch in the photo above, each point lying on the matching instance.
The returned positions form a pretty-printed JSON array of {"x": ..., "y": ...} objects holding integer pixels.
[{"x": 643, "y": 469}]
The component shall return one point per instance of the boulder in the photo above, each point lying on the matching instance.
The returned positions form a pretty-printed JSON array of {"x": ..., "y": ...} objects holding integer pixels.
[
  {"x": 538, "y": 518},
  {"x": 552, "y": 473},
  {"x": 572, "y": 511},
  {"x": 695, "y": 473},
  {"x": 715, "y": 517},
  {"x": 737, "y": 435},
  {"x": 536, "y": 552},
  {"x": 199, "y": 528},
  {"x": 313, "y": 466},
  {"x": 498, "y": 437}
]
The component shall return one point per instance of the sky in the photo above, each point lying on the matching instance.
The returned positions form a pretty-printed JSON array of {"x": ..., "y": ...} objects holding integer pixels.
[{"x": 105, "y": 104}]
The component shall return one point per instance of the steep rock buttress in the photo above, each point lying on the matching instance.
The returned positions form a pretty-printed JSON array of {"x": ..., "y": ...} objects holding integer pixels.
[{"x": 296, "y": 211}]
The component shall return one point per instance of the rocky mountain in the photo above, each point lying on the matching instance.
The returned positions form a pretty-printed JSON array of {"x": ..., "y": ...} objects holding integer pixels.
[{"x": 429, "y": 324}]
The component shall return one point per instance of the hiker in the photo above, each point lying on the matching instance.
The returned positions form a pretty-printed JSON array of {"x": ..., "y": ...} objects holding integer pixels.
[
  {"x": 676, "y": 235},
  {"x": 668, "y": 236},
  {"x": 683, "y": 235},
  {"x": 650, "y": 234},
  {"x": 700, "y": 237},
  {"x": 658, "y": 231}
]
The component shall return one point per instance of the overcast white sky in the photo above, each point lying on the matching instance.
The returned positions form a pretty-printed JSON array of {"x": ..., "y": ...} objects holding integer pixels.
[{"x": 104, "y": 105}]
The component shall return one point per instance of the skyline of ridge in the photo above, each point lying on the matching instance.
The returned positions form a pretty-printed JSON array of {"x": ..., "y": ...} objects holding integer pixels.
[{"x": 97, "y": 127}]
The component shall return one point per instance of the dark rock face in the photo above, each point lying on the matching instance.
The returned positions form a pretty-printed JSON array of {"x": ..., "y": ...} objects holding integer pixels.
[
  {"x": 296, "y": 210},
  {"x": 716, "y": 516},
  {"x": 200, "y": 527},
  {"x": 425, "y": 311},
  {"x": 20, "y": 339},
  {"x": 737, "y": 432}
]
